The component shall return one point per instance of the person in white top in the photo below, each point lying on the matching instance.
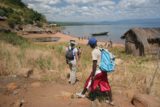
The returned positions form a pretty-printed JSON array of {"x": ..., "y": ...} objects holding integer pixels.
[
  {"x": 97, "y": 79},
  {"x": 72, "y": 62}
]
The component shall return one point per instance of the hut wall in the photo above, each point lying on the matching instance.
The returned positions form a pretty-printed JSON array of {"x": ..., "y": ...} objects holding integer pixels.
[
  {"x": 153, "y": 48},
  {"x": 131, "y": 48}
]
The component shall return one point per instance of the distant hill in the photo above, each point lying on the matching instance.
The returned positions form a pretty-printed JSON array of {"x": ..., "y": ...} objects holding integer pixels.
[
  {"x": 132, "y": 21},
  {"x": 17, "y": 13},
  {"x": 127, "y": 21}
]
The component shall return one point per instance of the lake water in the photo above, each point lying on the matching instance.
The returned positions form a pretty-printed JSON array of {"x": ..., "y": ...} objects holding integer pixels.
[{"x": 115, "y": 31}]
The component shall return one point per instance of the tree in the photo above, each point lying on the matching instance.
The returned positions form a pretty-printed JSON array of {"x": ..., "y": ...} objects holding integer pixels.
[{"x": 13, "y": 20}]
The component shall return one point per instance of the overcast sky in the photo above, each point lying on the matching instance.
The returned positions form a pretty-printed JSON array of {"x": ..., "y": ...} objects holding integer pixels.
[{"x": 95, "y": 10}]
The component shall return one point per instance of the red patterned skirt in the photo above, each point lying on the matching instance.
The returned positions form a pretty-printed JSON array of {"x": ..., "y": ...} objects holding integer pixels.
[{"x": 100, "y": 81}]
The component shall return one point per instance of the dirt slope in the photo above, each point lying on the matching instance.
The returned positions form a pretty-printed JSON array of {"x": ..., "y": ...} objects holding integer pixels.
[{"x": 21, "y": 92}]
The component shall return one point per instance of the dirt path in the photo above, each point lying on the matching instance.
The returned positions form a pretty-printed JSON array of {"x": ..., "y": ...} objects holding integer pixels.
[
  {"x": 53, "y": 94},
  {"x": 31, "y": 93},
  {"x": 39, "y": 94}
]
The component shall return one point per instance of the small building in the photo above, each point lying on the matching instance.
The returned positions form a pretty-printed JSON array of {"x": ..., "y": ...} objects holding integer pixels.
[
  {"x": 3, "y": 18},
  {"x": 53, "y": 25},
  {"x": 142, "y": 41}
]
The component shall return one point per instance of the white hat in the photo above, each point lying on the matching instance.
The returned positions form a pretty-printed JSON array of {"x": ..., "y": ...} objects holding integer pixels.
[{"x": 73, "y": 42}]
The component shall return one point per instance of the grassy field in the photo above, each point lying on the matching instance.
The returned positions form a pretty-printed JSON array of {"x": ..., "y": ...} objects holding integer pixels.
[{"x": 131, "y": 74}]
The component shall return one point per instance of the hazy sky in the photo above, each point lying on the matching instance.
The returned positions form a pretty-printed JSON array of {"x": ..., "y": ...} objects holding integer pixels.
[{"x": 95, "y": 10}]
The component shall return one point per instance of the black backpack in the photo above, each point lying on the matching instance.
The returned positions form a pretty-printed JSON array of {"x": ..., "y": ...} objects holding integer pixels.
[{"x": 69, "y": 54}]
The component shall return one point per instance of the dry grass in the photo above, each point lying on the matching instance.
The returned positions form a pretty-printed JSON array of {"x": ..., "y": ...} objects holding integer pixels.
[
  {"x": 12, "y": 58},
  {"x": 134, "y": 73},
  {"x": 8, "y": 61}
]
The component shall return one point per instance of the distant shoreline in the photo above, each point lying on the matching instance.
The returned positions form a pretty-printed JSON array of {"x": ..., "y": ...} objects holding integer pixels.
[
  {"x": 115, "y": 31},
  {"x": 65, "y": 38}
]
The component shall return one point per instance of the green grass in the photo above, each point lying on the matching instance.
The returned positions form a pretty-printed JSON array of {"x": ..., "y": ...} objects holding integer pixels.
[
  {"x": 14, "y": 39},
  {"x": 44, "y": 62}
]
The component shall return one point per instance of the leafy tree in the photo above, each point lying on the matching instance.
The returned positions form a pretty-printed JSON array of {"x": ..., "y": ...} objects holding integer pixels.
[
  {"x": 2, "y": 12},
  {"x": 5, "y": 11},
  {"x": 18, "y": 13},
  {"x": 17, "y": 3},
  {"x": 13, "y": 20}
]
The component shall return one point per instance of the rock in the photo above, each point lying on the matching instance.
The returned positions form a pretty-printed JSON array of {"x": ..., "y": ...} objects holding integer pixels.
[
  {"x": 25, "y": 72},
  {"x": 11, "y": 86},
  {"x": 18, "y": 103},
  {"x": 36, "y": 84},
  {"x": 15, "y": 92},
  {"x": 130, "y": 93},
  {"x": 120, "y": 100},
  {"x": 143, "y": 100}
]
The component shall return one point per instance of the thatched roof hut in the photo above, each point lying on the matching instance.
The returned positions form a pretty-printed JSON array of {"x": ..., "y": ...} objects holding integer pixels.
[{"x": 142, "y": 41}]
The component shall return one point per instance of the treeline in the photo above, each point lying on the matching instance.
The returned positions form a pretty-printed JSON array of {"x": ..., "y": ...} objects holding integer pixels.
[{"x": 17, "y": 13}]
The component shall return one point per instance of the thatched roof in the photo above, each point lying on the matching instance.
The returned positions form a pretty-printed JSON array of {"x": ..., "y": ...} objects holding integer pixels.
[{"x": 144, "y": 34}]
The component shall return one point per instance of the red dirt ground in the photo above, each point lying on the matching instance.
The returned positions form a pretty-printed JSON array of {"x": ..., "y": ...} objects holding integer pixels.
[{"x": 29, "y": 93}]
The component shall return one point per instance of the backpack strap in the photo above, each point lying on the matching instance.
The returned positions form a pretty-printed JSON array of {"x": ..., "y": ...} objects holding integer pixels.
[
  {"x": 70, "y": 48},
  {"x": 101, "y": 49},
  {"x": 111, "y": 55}
]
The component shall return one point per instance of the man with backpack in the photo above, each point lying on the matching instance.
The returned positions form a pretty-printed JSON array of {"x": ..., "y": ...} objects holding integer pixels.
[
  {"x": 98, "y": 78},
  {"x": 71, "y": 59}
]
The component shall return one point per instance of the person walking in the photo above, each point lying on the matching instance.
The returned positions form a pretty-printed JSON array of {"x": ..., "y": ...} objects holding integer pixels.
[
  {"x": 98, "y": 78},
  {"x": 71, "y": 59},
  {"x": 79, "y": 52}
]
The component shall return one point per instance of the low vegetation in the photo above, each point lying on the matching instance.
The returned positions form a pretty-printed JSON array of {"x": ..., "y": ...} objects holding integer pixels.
[
  {"x": 131, "y": 74},
  {"x": 17, "y": 13},
  {"x": 17, "y": 52},
  {"x": 13, "y": 39},
  {"x": 136, "y": 73}
]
